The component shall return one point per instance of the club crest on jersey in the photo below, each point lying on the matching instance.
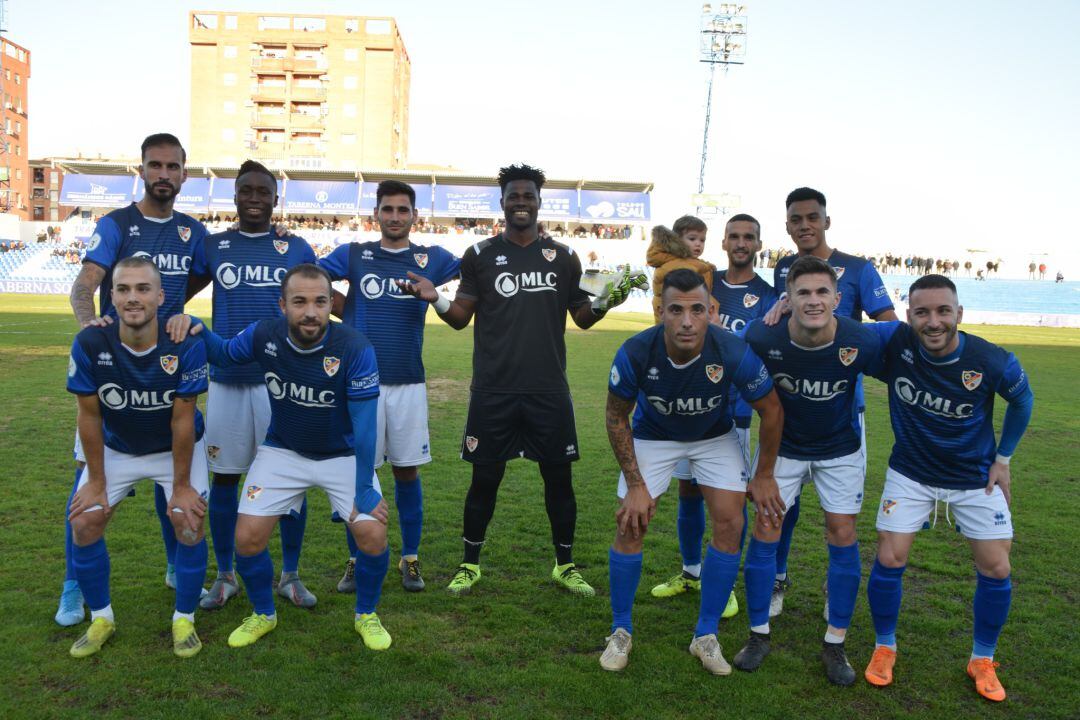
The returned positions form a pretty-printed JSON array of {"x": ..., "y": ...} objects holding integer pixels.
[
  {"x": 184, "y": 232},
  {"x": 253, "y": 492},
  {"x": 213, "y": 451},
  {"x": 971, "y": 379},
  {"x": 169, "y": 363},
  {"x": 848, "y": 355},
  {"x": 715, "y": 373},
  {"x": 282, "y": 246},
  {"x": 749, "y": 300},
  {"x": 331, "y": 365},
  {"x": 839, "y": 272},
  {"x": 548, "y": 253},
  {"x": 421, "y": 259},
  {"x": 471, "y": 442}
]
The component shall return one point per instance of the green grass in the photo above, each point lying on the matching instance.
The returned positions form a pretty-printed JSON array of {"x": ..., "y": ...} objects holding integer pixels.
[{"x": 518, "y": 647}]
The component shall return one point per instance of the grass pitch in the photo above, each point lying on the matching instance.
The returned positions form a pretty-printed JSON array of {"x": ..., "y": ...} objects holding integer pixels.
[{"x": 517, "y": 647}]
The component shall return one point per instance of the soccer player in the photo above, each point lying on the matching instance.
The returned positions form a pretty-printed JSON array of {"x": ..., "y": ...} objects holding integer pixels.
[
  {"x": 860, "y": 290},
  {"x": 393, "y": 321},
  {"x": 246, "y": 266},
  {"x": 520, "y": 285},
  {"x": 323, "y": 383},
  {"x": 942, "y": 384},
  {"x": 681, "y": 375},
  {"x": 815, "y": 358},
  {"x": 741, "y": 295},
  {"x": 149, "y": 228},
  {"x": 137, "y": 420}
]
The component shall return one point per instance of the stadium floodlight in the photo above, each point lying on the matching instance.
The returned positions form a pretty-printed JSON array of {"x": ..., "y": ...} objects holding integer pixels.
[{"x": 723, "y": 42}]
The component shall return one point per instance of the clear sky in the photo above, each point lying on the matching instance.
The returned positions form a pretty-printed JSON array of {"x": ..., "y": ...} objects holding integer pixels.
[{"x": 931, "y": 126}]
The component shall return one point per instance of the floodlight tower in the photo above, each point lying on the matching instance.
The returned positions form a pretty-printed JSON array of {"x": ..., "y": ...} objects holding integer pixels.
[{"x": 723, "y": 42}]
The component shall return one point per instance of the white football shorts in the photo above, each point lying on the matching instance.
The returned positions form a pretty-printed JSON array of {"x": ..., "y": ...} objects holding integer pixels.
[
  {"x": 401, "y": 434},
  {"x": 906, "y": 505},
  {"x": 839, "y": 481},
  {"x": 237, "y": 418},
  {"x": 278, "y": 478},
  {"x": 122, "y": 471},
  {"x": 715, "y": 462},
  {"x": 682, "y": 470}
]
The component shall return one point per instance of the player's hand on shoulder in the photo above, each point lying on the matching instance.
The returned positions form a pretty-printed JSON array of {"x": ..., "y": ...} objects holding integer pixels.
[
  {"x": 1000, "y": 476},
  {"x": 178, "y": 326},
  {"x": 419, "y": 287},
  {"x": 282, "y": 230},
  {"x": 89, "y": 495},
  {"x": 781, "y": 308},
  {"x": 189, "y": 502},
  {"x": 102, "y": 321}
]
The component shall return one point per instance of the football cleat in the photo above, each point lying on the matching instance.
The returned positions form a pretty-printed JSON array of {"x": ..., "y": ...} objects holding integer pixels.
[
  {"x": 776, "y": 602},
  {"x": 347, "y": 583},
  {"x": 253, "y": 628},
  {"x": 617, "y": 652},
  {"x": 464, "y": 578},
  {"x": 707, "y": 649},
  {"x": 185, "y": 642},
  {"x": 100, "y": 630},
  {"x": 753, "y": 653},
  {"x": 568, "y": 577},
  {"x": 71, "y": 610},
  {"x": 984, "y": 672},
  {"x": 372, "y": 631},
  {"x": 410, "y": 575},
  {"x": 879, "y": 671},
  {"x": 732, "y": 607},
  {"x": 676, "y": 585},
  {"x": 289, "y": 586},
  {"x": 837, "y": 667},
  {"x": 223, "y": 588},
  {"x": 170, "y": 576}
]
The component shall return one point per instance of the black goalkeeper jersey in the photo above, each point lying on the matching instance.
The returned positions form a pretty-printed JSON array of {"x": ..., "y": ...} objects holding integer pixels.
[{"x": 522, "y": 295}]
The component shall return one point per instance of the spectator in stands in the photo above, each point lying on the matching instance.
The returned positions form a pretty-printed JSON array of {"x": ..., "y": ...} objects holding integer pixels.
[{"x": 1042, "y": 271}]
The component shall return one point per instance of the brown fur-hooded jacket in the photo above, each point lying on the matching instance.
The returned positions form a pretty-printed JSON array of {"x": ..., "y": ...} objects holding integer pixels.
[{"x": 666, "y": 253}]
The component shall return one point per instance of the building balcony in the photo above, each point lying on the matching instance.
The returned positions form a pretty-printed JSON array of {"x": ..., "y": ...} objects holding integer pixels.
[
  {"x": 298, "y": 92},
  {"x": 267, "y": 92},
  {"x": 300, "y": 121},
  {"x": 268, "y": 120},
  {"x": 275, "y": 66}
]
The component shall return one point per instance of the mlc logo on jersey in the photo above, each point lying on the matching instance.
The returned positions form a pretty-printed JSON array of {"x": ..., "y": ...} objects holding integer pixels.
[
  {"x": 169, "y": 363},
  {"x": 749, "y": 300},
  {"x": 848, "y": 355},
  {"x": 331, "y": 365},
  {"x": 715, "y": 373},
  {"x": 942, "y": 407},
  {"x": 281, "y": 246},
  {"x": 817, "y": 390},
  {"x": 508, "y": 284},
  {"x": 303, "y": 395},
  {"x": 971, "y": 379},
  {"x": 372, "y": 287},
  {"x": 686, "y": 406},
  {"x": 229, "y": 276},
  {"x": 116, "y": 398},
  {"x": 170, "y": 264},
  {"x": 421, "y": 259}
]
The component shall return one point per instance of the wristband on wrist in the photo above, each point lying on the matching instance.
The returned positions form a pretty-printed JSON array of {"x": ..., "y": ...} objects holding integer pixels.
[
  {"x": 1003, "y": 459},
  {"x": 442, "y": 303}
]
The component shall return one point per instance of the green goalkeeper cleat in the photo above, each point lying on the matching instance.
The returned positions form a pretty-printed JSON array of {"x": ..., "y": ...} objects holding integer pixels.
[
  {"x": 100, "y": 630},
  {"x": 568, "y": 577},
  {"x": 464, "y": 578},
  {"x": 371, "y": 630},
  {"x": 676, "y": 585},
  {"x": 254, "y": 627},
  {"x": 185, "y": 642}
]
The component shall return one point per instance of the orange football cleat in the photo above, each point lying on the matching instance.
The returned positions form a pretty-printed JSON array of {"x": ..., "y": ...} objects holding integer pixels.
[
  {"x": 879, "y": 671},
  {"x": 982, "y": 671}
]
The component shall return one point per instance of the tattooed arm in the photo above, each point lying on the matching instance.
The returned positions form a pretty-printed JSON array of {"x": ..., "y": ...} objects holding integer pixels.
[
  {"x": 82, "y": 293},
  {"x": 638, "y": 506}
]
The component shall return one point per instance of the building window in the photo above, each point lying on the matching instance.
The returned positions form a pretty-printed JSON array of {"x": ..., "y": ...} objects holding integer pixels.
[
  {"x": 230, "y": 22},
  {"x": 39, "y": 193},
  {"x": 228, "y": 51},
  {"x": 39, "y": 175},
  {"x": 352, "y": 25},
  {"x": 18, "y": 151},
  {"x": 18, "y": 80},
  {"x": 352, "y": 54},
  {"x": 349, "y": 109},
  {"x": 18, "y": 127},
  {"x": 39, "y": 212},
  {"x": 228, "y": 79},
  {"x": 348, "y": 138},
  {"x": 18, "y": 173},
  {"x": 10, "y": 50},
  {"x": 377, "y": 27},
  {"x": 351, "y": 82},
  {"x": 229, "y": 107},
  {"x": 309, "y": 24},
  {"x": 273, "y": 22},
  {"x": 228, "y": 135},
  {"x": 204, "y": 21}
]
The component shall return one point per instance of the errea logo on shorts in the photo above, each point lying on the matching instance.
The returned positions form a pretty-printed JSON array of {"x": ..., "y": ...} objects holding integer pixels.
[
  {"x": 509, "y": 284},
  {"x": 303, "y": 395},
  {"x": 942, "y": 407},
  {"x": 115, "y": 397}
]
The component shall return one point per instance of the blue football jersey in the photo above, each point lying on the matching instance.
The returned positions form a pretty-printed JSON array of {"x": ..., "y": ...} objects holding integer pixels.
[
  {"x": 169, "y": 243},
  {"x": 247, "y": 270},
  {"x": 135, "y": 391},
  {"x": 736, "y": 306},
  {"x": 942, "y": 409},
  {"x": 817, "y": 386},
  {"x": 309, "y": 389},
  {"x": 392, "y": 320},
  {"x": 860, "y": 286},
  {"x": 685, "y": 402}
]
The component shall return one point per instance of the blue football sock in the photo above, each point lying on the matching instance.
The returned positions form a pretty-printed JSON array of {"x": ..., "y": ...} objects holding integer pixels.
[
  {"x": 190, "y": 573},
  {"x": 884, "y": 590},
  {"x": 69, "y": 543},
  {"x": 292, "y": 538},
  {"x": 353, "y": 547},
  {"x": 92, "y": 571},
  {"x": 257, "y": 572},
  {"x": 168, "y": 532},
  {"x": 370, "y": 573},
  {"x": 718, "y": 574},
  {"x": 787, "y": 532},
  {"x": 759, "y": 571},
  {"x": 624, "y": 574},
  {"x": 843, "y": 578},
  {"x": 409, "y": 498},
  {"x": 223, "y": 505},
  {"x": 691, "y": 526},
  {"x": 992, "y": 599}
]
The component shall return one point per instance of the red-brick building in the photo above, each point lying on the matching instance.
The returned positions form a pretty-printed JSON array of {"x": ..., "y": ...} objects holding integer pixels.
[{"x": 14, "y": 129}]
